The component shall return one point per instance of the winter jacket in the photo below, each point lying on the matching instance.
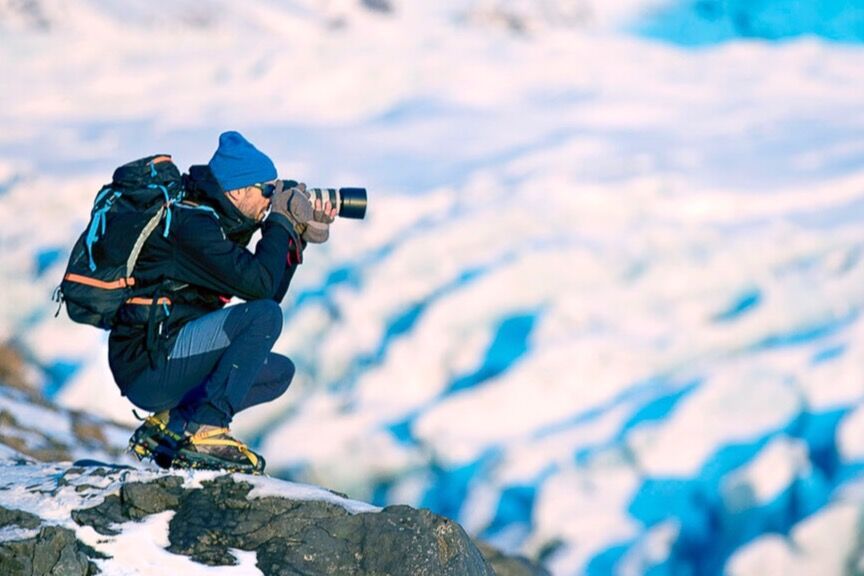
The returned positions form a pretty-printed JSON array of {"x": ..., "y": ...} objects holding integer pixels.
[{"x": 195, "y": 270}]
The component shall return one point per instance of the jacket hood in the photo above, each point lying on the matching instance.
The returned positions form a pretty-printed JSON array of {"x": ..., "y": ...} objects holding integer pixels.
[{"x": 202, "y": 187}]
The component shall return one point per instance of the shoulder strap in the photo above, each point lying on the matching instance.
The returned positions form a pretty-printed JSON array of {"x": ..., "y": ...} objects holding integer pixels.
[
  {"x": 142, "y": 238},
  {"x": 193, "y": 206}
]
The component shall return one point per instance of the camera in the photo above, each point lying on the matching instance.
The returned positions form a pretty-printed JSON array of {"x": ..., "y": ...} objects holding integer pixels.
[{"x": 349, "y": 202}]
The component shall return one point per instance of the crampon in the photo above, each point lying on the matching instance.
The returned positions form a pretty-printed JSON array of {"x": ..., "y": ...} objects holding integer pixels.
[
  {"x": 209, "y": 448},
  {"x": 213, "y": 448},
  {"x": 153, "y": 439}
]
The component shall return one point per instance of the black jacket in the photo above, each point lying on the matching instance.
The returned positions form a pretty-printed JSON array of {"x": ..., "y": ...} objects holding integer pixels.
[{"x": 201, "y": 263}]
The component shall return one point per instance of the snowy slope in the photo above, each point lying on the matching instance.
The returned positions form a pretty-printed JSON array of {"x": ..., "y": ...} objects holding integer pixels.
[{"x": 605, "y": 309}]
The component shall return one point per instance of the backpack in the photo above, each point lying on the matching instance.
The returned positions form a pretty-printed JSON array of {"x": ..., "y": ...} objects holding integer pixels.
[{"x": 99, "y": 276}]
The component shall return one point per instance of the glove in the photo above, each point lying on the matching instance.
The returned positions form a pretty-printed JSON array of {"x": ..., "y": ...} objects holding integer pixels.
[
  {"x": 292, "y": 205},
  {"x": 318, "y": 228},
  {"x": 316, "y": 232}
]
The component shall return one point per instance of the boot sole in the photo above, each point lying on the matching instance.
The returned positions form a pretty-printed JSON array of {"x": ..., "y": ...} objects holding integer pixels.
[
  {"x": 198, "y": 461},
  {"x": 166, "y": 458}
]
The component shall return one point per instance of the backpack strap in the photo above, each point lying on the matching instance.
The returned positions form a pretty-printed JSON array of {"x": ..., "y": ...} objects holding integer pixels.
[
  {"x": 139, "y": 301},
  {"x": 170, "y": 201},
  {"x": 97, "y": 221},
  {"x": 189, "y": 205},
  {"x": 142, "y": 238}
]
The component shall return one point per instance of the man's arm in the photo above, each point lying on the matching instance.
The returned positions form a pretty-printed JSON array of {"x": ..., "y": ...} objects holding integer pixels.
[
  {"x": 204, "y": 257},
  {"x": 292, "y": 261},
  {"x": 315, "y": 229}
]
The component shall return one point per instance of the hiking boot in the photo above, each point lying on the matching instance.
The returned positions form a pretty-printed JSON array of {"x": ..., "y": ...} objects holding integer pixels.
[
  {"x": 153, "y": 439},
  {"x": 213, "y": 448}
]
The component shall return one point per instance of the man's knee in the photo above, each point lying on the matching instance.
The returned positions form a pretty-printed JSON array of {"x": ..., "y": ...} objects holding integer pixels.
[
  {"x": 283, "y": 371},
  {"x": 274, "y": 379},
  {"x": 288, "y": 370},
  {"x": 269, "y": 314}
]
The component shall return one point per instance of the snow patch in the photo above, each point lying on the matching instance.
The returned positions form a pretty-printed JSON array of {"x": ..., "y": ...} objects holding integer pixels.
[
  {"x": 264, "y": 487},
  {"x": 13, "y": 533},
  {"x": 140, "y": 548}
]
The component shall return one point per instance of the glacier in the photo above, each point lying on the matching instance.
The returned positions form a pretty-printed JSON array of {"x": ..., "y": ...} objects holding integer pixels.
[{"x": 606, "y": 307}]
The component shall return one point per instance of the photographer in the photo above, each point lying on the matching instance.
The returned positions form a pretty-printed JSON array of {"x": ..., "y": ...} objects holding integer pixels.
[{"x": 181, "y": 353}]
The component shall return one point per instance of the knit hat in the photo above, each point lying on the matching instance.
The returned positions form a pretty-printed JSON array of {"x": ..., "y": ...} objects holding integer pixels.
[{"x": 237, "y": 163}]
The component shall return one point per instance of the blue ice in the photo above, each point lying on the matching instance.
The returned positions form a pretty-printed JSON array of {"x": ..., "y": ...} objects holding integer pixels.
[
  {"x": 45, "y": 258},
  {"x": 695, "y": 23},
  {"x": 508, "y": 346},
  {"x": 744, "y": 303}
]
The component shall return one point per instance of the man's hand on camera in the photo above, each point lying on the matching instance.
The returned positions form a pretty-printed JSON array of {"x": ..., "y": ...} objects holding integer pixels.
[
  {"x": 318, "y": 228},
  {"x": 325, "y": 213},
  {"x": 293, "y": 205}
]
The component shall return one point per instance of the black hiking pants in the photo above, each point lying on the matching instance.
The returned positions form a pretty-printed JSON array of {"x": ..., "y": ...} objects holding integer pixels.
[{"x": 219, "y": 365}]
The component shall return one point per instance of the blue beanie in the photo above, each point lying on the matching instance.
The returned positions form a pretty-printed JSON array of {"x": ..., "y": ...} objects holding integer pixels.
[{"x": 237, "y": 163}]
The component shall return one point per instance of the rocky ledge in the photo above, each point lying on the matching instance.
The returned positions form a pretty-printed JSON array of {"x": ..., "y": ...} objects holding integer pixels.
[
  {"x": 70, "y": 520},
  {"x": 64, "y": 519}
]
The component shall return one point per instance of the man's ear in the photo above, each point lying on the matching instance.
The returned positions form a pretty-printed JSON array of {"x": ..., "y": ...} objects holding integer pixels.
[{"x": 235, "y": 194}]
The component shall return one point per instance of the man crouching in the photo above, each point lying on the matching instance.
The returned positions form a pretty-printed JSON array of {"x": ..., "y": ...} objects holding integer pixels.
[{"x": 183, "y": 354}]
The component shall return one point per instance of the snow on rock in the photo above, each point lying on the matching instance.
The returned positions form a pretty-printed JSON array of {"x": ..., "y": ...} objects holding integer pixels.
[
  {"x": 264, "y": 487},
  {"x": 130, "y": 521},
  {"x": 141, "y": 548}
]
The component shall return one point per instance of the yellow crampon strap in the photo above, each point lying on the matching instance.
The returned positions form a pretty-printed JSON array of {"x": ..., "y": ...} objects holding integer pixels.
[
  {"x": 158, "y": 419},
  {"x": 206, "y": 438}
]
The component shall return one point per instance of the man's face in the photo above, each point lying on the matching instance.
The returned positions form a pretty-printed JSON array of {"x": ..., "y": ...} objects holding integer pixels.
[{"x": 250, "y": 201}]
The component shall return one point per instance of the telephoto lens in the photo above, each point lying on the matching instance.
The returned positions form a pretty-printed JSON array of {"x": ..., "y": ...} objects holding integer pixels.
[
  {"x": 349, "y": 202},
  {"x": 352, "y": 203}
]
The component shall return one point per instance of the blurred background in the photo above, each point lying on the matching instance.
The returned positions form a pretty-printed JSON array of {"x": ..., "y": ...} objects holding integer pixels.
[{"x": 605, "y": 309}]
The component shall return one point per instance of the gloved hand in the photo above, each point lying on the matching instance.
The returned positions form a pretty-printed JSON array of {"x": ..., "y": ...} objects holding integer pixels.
[
  {"x": 318, "y": 228},
  {"x": 294, "y": 205}
]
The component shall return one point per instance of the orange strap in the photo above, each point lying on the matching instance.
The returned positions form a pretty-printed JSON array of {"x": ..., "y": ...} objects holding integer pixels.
[
  {"x": 121, "y": 283},
  {"x": 148, "y": 301},
  {"x": 159, "y": 159}
]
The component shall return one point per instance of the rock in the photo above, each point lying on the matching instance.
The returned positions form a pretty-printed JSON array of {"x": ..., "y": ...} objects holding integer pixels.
[
  {"x": 53, "y": 552},
  {"x": 87, "y": 430},
  {"x": 510, "y": 565},
  {"x": 18, "y": 518},
  {"x": 13, "y": 369},
  {"x": 294, "y": 537},
  {"x": 135, "y": 501},
  {"x": 140, "y": 499}
]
